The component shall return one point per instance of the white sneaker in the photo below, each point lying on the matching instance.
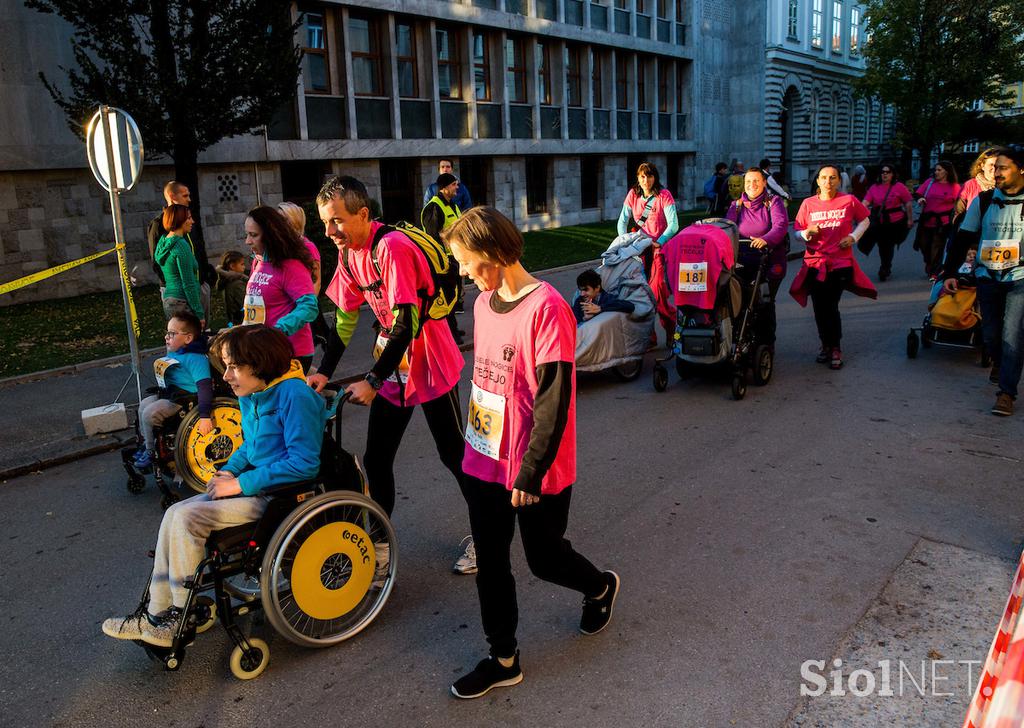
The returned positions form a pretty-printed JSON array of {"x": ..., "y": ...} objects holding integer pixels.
[{"x": 466, "y": 564}]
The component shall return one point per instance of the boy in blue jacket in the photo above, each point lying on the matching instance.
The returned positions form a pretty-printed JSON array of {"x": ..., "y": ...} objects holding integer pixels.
[
  {"x": 282, "y": 427},
  {"x": 593, "y": 300},
  {"x": 185, "y": 370}
]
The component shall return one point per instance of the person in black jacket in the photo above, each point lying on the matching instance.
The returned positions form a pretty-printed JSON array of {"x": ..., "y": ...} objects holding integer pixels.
[{"x": 175, "y": 193}]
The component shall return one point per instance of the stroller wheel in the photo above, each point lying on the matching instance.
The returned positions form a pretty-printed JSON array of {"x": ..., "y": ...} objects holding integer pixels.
[
  {"x": 927, "y": 336},
  {"x": 739, "y": 386},
  {"x": 764, "y": 364},
  {"x": 168, "y": 500},
  {"x": 912, "y": 344},
  {"x": 660, "y": 378},
  {"x": 629, "y": 371}
]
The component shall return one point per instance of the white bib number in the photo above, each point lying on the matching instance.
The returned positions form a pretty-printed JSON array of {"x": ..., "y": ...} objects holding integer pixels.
[
  {"x": 693, "y": 276},
  {"x": 160, "y": 367},
  {"x": 403, "y": 367},
  {"x": 255, "y": 309},
  {"x": 999, "y": 254},
  {"x": 486, "y": 422}
]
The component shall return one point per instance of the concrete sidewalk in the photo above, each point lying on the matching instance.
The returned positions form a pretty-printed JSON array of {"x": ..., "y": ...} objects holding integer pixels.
[{"x": 40, "y": 418}]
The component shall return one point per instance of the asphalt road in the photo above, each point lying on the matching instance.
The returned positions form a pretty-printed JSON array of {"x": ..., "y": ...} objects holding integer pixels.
[{"x": 750, "y": 536}]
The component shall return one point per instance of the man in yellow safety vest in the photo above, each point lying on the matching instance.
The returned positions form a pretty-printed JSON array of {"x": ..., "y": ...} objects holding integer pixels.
[{"x": 438, "y": 214}]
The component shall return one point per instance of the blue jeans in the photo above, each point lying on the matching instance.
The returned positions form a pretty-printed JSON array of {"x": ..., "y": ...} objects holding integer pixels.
[{"x": 1002, "y": 318}]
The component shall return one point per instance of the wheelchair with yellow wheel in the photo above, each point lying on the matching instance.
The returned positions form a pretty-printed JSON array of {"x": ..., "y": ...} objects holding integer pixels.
[
  {"x": 182, "y": 453},
  {"x": 321, "y": 562}
]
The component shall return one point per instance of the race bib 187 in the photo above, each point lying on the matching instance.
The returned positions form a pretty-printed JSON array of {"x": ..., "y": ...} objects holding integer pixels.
[{"x": 693, "y": 276}]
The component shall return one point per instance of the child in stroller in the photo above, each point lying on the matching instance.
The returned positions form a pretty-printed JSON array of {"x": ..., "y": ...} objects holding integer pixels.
[
  {"x": 952, "y": 319},
  {"x": 722, "y": 306},
  {"x": 617, "y": 340}
]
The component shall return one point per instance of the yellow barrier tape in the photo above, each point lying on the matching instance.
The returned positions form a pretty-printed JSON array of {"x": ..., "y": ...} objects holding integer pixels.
[
  {"x": 44, "y": 274},
  {"x": 123, "y": 260}
]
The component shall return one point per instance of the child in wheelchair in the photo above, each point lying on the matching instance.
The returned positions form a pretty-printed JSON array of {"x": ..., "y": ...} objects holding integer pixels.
[
  {"x": 185, "y": 370},
  {"x": 282, "y": 423}
]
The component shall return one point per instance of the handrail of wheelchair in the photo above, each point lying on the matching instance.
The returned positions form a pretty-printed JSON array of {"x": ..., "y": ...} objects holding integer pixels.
[{"x": 339, "y": 403}]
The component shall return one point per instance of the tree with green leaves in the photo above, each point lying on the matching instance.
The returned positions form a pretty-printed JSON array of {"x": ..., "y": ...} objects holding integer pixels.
[
  {"x": 930, "y": 59},
  {"x": 190, "y": 72}
]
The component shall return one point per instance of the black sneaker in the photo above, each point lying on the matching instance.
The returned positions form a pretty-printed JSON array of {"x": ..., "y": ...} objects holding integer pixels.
[
  {"x": 824, "y": 356},
  {"x": 486, "y": 676},
  {"x": 597, "y": 612}
]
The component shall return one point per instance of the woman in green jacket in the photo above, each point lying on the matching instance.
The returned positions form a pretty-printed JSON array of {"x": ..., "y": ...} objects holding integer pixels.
[{"x": 177, "y": 260}]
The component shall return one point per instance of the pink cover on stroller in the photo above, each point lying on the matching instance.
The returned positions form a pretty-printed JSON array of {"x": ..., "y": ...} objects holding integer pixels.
[{"x": 694, "y": 261}]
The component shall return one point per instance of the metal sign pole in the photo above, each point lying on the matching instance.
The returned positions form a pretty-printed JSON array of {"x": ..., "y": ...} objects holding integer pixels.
[{"x": 122, "y": 261}]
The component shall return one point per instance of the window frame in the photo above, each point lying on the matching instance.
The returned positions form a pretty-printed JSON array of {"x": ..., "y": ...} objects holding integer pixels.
[
  {"x": 621, "y": 81},
  {"x": 411, "y": 60},
  {"x": 482, "y": 67},
  {"x": 573, "y": 76},
  {"x": 597, "y": 79},
  {"x": 793, "y": 20},
  {"x": 663, "y": 73},
  {"x": 837, "y": 26},
  {"x": 854, "y": 31},
  {"x": 542, "y": 57},
  {"x": 320, "y": 52},
  {"x": 515, "y": 75},
  {"x": 373, "y": 29},
  {"x": 817, "y": 23},
  {"x": 453, "y": 63}
]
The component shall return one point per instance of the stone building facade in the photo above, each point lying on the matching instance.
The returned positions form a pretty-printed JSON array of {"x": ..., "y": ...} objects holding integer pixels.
[{"x": 546, "y": 106}]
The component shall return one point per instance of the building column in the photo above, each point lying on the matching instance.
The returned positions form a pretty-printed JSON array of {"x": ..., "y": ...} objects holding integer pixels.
[
  {"x": 435, "y": 92},
  {"x": 350, "y": 97},
  {"x": 396, "y": 102}
]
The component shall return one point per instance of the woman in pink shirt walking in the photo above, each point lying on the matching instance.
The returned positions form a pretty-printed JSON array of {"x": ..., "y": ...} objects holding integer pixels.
[
  {"x": 520, "y": 452},
  {"x": 937, "y": 198}
]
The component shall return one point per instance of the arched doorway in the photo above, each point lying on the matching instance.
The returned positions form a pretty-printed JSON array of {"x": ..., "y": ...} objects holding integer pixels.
[{"x": 790, "y": 106}]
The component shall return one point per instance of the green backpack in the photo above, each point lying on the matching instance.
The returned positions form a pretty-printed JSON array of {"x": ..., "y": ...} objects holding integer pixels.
[{"x": 443, "y": 270}]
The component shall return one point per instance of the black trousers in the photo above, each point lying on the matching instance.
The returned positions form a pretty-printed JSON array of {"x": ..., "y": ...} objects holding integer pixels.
[
  {"x": 548, "y": 553},
  {"x": 384, "y": 434},
  {"x": 932, "y": 242},
  {"x": 825, "y": 299}
]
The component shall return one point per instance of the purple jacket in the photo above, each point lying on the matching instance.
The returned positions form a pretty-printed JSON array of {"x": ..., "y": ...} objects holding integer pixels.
[{"x": 770, "y": 222}]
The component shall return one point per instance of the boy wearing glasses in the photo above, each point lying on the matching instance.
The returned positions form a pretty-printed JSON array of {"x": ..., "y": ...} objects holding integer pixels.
[{"x": 185, "y": 370}]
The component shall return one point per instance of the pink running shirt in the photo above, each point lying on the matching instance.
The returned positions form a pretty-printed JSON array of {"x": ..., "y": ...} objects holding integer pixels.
[
  {"x": 435, "y": 361},
  {"x": 508, "y": 348},
  {"x": 655, "y": 224},
  {"x": 940, "y": 197},
  {"x": 836, "y": 218},
  {"x": 271, "y": 293},
  {"x": 896, "y": 197}
]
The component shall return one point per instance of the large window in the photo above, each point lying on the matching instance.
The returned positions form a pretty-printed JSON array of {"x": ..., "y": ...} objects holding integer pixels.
[
  {"x": 481, "y": 67},
  {"x": 408, "y": 82},
  {"x": 794, "y": 19},
  {"x": 515, "y": 75},
  {"x": 680, "y": 89},
  {"x": 314, "y": 55},
  {"x": 664, "y": 71},
  {"x": 597, "y": 78},
  {"x": 449, "y": 67},
  {"x": 641, "y": 84},
  {"x": 364, "y": 38},
  {"x": 817, "y": 20},
  {"x": 537, "y": 185},
  {"x": 854, "y": 31},
  {"x": 543, "y": 73},
  {"x": 837, "y": 26},
  {"x": 573, "y": 76},
  {"x": 621, "y": 80}
]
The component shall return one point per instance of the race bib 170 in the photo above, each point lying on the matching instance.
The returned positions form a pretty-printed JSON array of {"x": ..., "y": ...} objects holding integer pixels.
[{"x": 999, "y": 254}]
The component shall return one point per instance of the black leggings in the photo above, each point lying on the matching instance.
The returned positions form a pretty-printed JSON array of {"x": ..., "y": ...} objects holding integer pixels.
[
  {"x": 825, "y": 298},
  {"x": 384, "y": 434},
  {"x": 549, "y": 554}
]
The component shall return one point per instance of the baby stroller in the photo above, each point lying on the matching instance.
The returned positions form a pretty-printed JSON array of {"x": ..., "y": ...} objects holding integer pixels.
[
  {"x": 612, "y": 339},
  {"x": 722, "y": 305},
  {"x": 952, "y": 320}
]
